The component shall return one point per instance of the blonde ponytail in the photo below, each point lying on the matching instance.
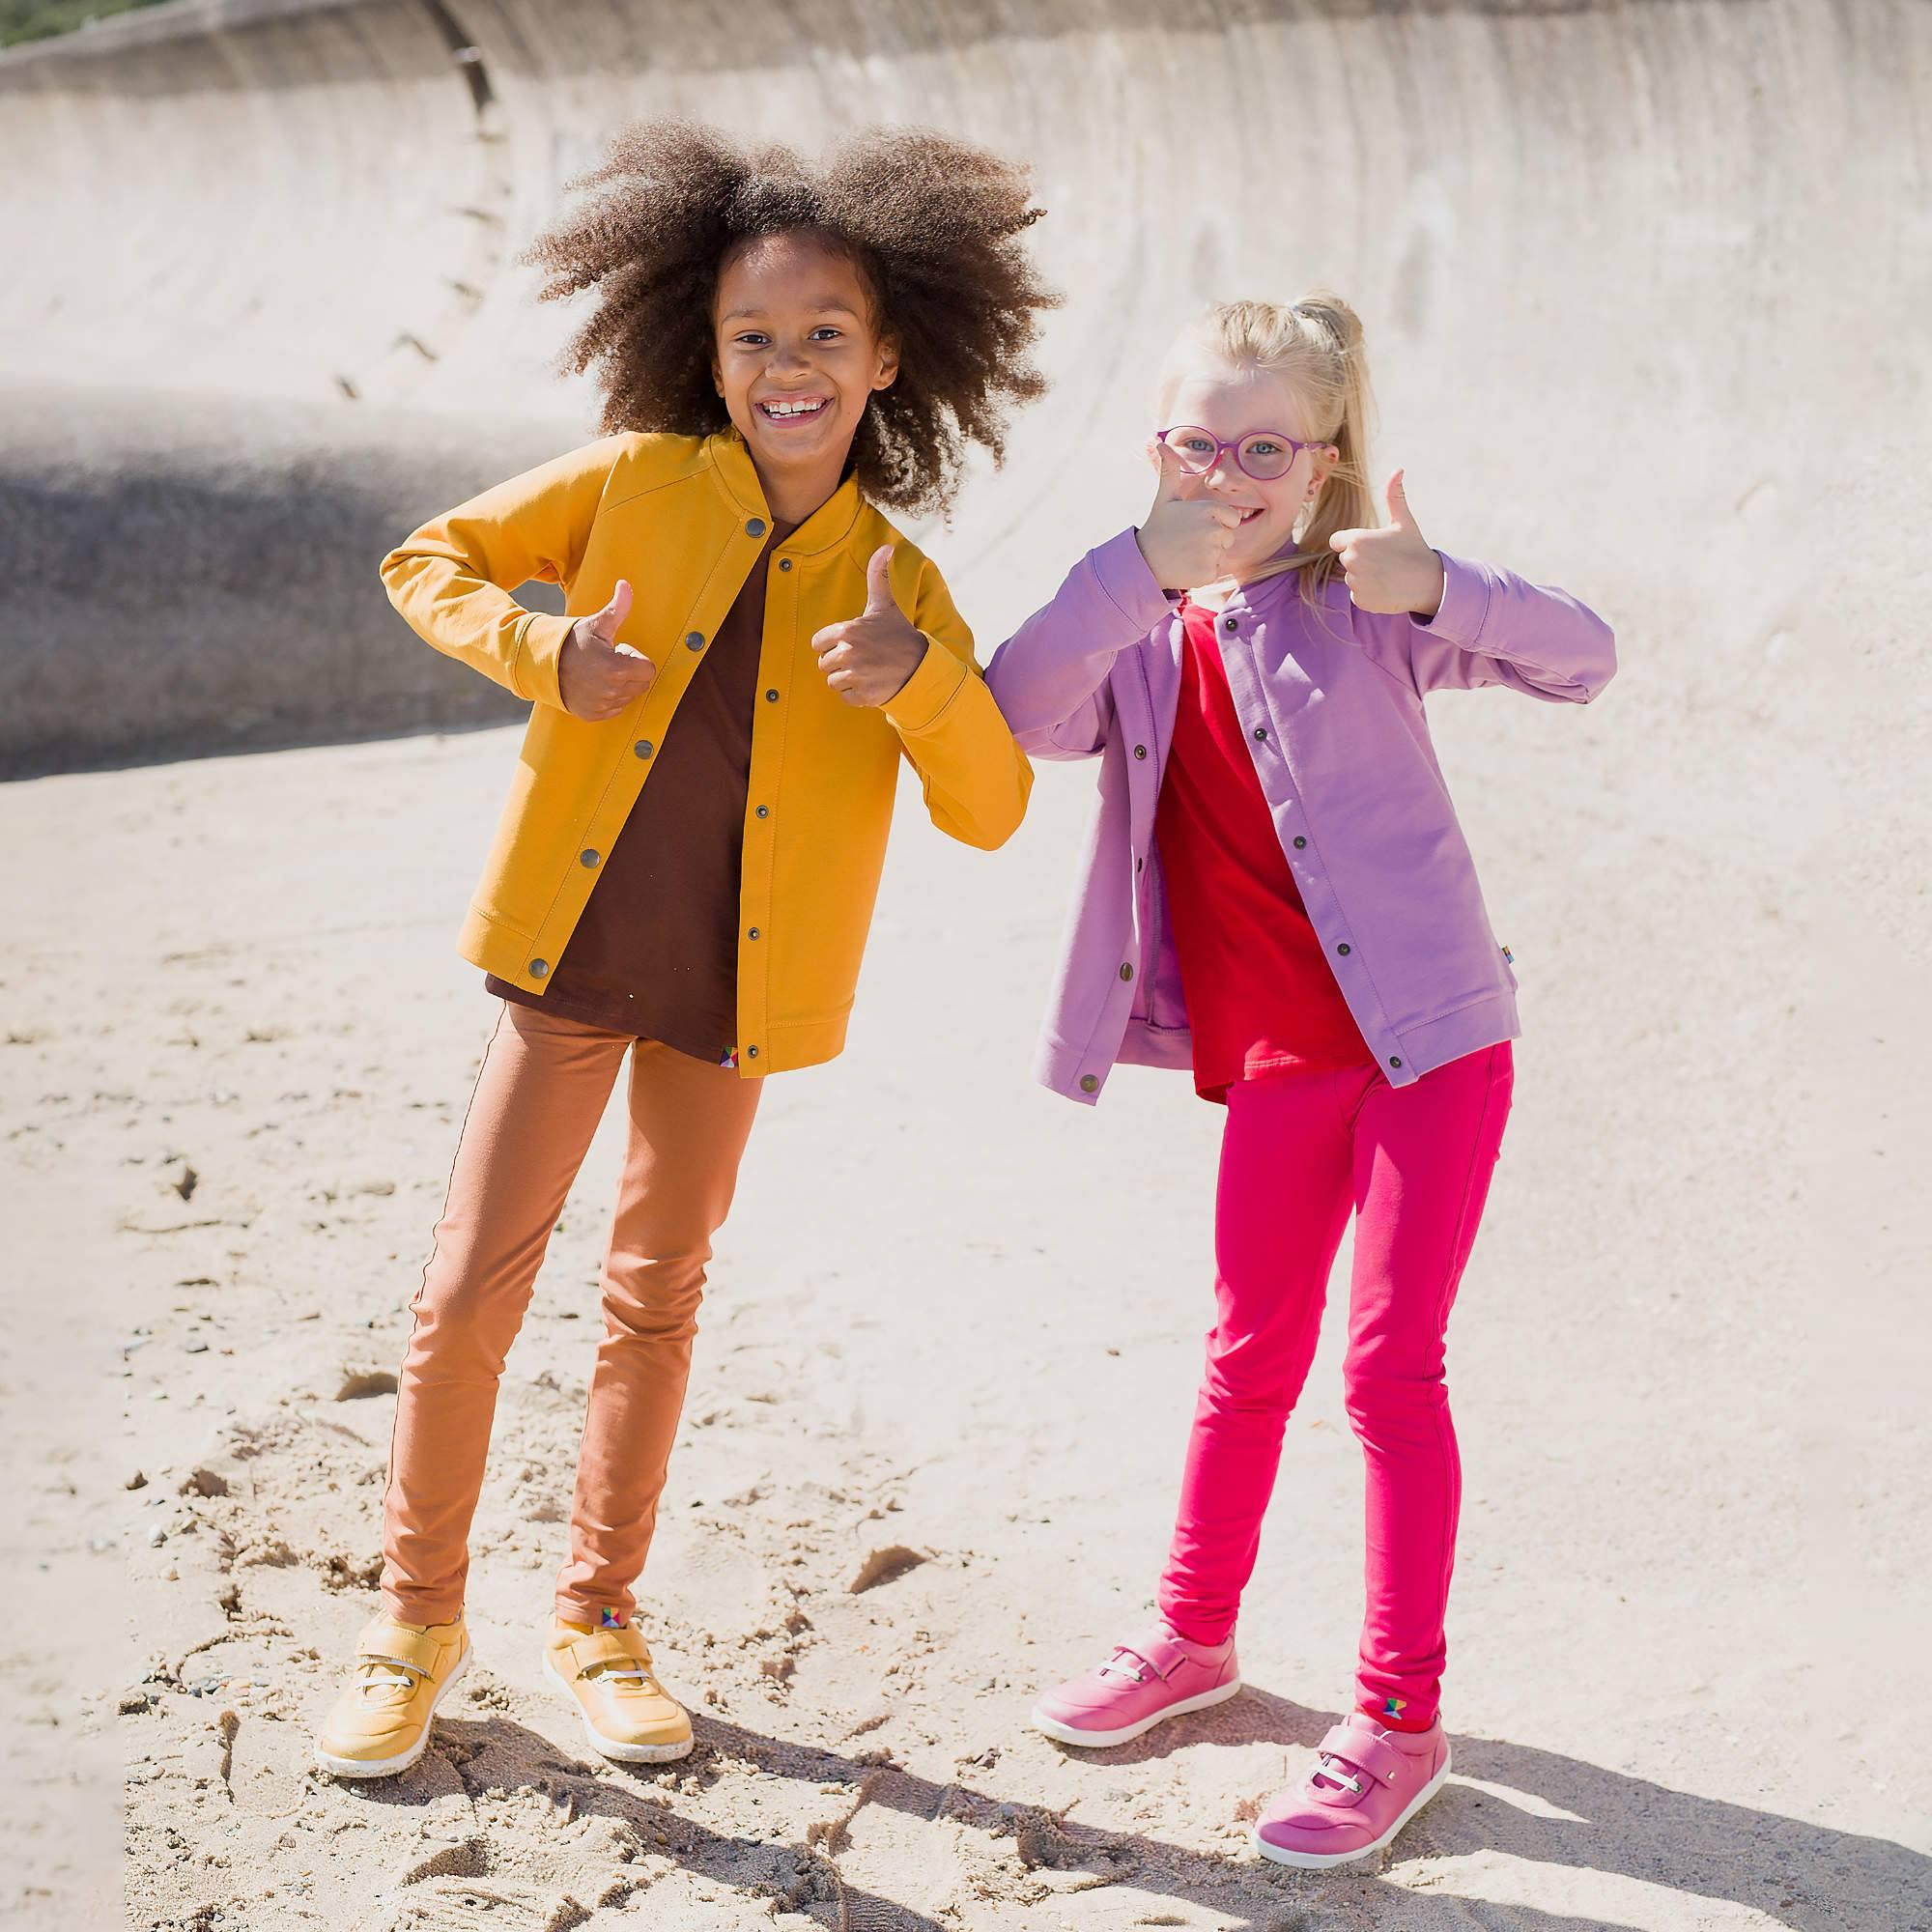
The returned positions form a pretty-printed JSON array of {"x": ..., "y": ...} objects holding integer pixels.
[{"x": 1316, "y": 345}]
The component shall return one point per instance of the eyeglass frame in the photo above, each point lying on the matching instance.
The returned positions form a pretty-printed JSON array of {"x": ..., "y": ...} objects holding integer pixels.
[{"x": 1221, "y": 448}]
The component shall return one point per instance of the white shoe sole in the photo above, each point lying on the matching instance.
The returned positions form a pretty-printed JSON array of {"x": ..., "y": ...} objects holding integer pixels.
[
  {"x": 1068, "y": 1734},
  {"x": 1321, "y": 1860},
  {"x": 609, "y": 1746},
  {"x": 388, "y": 1767}
]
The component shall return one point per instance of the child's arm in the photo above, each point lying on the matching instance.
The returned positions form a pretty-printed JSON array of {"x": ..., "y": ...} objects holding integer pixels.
[
  {"x": 1050, "y": 676},
  {"x": 1440, "y": 622},
  {"x": 1493, "y": 627},
  {"x": 976, "y": 779},
  {"x": 452, "y": 579}
]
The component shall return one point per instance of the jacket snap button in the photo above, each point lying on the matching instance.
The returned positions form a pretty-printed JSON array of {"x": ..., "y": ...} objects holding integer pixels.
[
  {"x": 1088, "y": 1083},
  {"x": 771, "y": 697},
  {"x": 1140, "y": 750},
  {"x": 1260, "y": 732},
  {"x": 589, "y": 857},
  {"x": 538, "y": 968},
  {"x": 750, "y": 1053},
  {"x": 754, "y": 933},
  {"x": 784, "y": 564},
  {"x": 764, "y": 812},
  {"x": 1343, "y": 947},
  {"x": 644, "y": 747},
  {"x": 1230, "y": 624},
  {"x": 696, "y": 640},
  {"x": 1126, "y": 971},
  {"x": 1299, "y": 841},
  {"x": 755, "y": 527},
  {"x": 1395, "y": 1060}
]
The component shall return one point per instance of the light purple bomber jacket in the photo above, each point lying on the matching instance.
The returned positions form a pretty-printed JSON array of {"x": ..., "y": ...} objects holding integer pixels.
[{"x": 1332, "y": 699}]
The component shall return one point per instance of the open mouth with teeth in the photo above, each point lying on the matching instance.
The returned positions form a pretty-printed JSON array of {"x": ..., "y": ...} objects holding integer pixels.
[
  {"x": 793, "y": 409},
  {"x": 1248, "y": 516}
]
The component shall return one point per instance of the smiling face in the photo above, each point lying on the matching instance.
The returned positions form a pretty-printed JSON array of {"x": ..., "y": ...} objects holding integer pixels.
[
  {"x": 797, "y": 357},
  {"x": 1229, "y": 403}
]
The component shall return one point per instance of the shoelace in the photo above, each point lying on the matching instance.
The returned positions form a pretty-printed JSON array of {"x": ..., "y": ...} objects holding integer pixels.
[
  {"x": 388, "y": 1674},
  {"x": 1133, "y": 1670}
]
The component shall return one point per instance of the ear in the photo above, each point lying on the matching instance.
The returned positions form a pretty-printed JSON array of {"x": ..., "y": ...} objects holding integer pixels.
[
  {"x": 889, "y": 362},
  {"x": 1325, "y": 460},
  {"x": 717, "y": 375}
]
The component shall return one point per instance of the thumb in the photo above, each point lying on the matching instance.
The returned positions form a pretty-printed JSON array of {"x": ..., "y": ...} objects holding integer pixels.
[
  {"x": 879, "y": 597},
  {"x": 610, "y": 620},
  {"x": 1400, "y": 514},
  {"x": 1173, "y": 473}
]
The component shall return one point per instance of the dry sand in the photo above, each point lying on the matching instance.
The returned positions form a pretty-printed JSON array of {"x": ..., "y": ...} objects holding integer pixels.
[{"x": 953, "y": 1331}]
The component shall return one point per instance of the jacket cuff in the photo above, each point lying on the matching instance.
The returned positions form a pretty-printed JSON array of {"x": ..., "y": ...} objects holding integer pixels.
[
  {"x": 539, "y": 651},
  {"x": 1465, "y": 603},
  {"x": 928, "y": 690},
  {"x": 1121, "y": 571}
]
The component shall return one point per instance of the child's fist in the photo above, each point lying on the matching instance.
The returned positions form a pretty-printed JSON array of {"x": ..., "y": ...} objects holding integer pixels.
[
  {"x": 1187, "y": 532},
  {"x": 596, "y": 675},
  {"x": 867, "y": 659},
  {"x": 1391, "y": 571}
]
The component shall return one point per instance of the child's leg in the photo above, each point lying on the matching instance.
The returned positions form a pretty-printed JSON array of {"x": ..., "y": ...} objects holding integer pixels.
[
  {"x": 1280, "y": 1208},
  {"x": 539, "y": 1095},
  {"x": 1422, "y": 1163},
  {"x": 689, "y": 1126}
]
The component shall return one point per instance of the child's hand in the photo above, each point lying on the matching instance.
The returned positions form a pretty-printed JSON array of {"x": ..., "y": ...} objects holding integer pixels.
[
  {"x": 867, "y": 659},
  {"x": 1391, "y": 571},
  {"x": 1186, "y": 537},
  {"x": 598, "y": 677}
]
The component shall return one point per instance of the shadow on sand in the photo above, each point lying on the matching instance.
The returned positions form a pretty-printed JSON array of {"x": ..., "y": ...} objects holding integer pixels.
[{"x": 1806, "y": 1877}]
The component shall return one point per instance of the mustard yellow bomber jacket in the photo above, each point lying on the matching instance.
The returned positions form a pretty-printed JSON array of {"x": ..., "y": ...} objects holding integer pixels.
[{"x": 684, "y": 518}]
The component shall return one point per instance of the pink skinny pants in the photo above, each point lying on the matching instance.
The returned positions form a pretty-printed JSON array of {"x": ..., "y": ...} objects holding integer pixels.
[{"x": 1299, "y": 1150}]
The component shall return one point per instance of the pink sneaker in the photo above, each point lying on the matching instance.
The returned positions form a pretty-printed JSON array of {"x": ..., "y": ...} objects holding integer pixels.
[
  {"x": 1366, "y": 1785},
  {"x": 1150, "y": 1677}
]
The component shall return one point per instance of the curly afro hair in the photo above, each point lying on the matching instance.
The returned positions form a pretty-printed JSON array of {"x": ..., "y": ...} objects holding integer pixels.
[{"x": 931, "y": 224}]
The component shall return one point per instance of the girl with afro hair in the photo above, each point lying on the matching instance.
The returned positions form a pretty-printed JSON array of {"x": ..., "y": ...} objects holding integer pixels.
[{"x": 685, "y": 868}]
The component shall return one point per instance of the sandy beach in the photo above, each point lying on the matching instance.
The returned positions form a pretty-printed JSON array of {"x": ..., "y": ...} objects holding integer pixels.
[{"x": 239, "y": 1044}]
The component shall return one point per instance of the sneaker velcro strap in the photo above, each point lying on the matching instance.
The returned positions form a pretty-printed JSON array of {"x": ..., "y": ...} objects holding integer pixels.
[
  {"x": 607, "y": 1649},
  {"x": 397, "y": 1644},
  {"x": 1158, "y": 1648},
  {"x": 1365, "y": 1751}
]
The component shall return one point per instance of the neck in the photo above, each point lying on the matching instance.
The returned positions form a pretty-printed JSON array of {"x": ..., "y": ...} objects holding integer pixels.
[{"x": 794, "y": 495}]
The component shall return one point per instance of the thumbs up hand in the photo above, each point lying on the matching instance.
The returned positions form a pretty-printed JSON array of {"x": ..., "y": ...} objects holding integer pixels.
[
  {"x": 596, "y": 675},
  {"x": 1186, "y": 534},
  {"x": 867, "y": 659},
  {"x": 1392, "y": 571}
]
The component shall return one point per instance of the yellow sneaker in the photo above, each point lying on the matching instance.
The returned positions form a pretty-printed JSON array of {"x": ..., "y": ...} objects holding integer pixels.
[
  {"x": 627, "y": 1713},
  {"x": 380, "y": 1721}
]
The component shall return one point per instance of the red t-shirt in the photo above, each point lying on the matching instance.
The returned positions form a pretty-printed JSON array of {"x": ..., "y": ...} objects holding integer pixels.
[{"x": 1259, "y": 994}]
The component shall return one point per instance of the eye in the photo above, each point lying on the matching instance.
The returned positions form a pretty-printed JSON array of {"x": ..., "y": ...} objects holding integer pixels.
[
  {"x": 828, "y": 330},
  {"x": 751, "y": 338},
  {"x": 1265, "y": 445},
  {"x": 1195, "y": 442}
]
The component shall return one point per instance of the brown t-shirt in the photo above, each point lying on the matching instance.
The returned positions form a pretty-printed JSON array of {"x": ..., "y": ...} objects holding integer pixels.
[{"x": 656, "y": 951}]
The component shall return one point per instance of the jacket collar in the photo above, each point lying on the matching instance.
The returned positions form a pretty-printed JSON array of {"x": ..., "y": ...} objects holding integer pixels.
[{"x": 826, "y": 528}]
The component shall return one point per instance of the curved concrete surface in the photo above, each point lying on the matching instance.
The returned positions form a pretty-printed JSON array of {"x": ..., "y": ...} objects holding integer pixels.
[{"x": 1645, "y": 273}]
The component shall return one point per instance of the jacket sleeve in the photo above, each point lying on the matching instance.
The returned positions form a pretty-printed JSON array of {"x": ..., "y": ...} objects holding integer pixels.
[
  {"x": 976, "y": 779},
  {"x": 1050, "y": 676},
  {"x": 1496, "y": 628},
  {"x": 452, "y": 579}
]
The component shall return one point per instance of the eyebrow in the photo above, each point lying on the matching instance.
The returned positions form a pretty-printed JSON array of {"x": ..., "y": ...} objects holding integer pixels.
[{"x": 824, "y": 305}]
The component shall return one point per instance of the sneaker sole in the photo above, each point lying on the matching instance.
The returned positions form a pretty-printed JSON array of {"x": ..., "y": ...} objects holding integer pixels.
[
  {"x": 1321, "y": 1860},
  {"x": 1068, "y": 1734},
  {"x": 609, "y": 1746},
  {"x": 390, "y": 1767}
]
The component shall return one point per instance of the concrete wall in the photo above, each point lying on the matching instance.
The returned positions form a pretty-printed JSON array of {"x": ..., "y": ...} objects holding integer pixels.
[{"x": 1645, "y": 283}]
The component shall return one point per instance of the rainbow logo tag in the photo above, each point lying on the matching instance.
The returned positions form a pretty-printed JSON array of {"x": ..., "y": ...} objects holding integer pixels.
[
  {"x": 612, "y": 1621},
  {"x": 1392, "y": 1707}
]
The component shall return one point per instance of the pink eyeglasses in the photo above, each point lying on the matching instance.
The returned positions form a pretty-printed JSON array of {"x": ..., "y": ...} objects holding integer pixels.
[{"x": 1264, "y": 454}]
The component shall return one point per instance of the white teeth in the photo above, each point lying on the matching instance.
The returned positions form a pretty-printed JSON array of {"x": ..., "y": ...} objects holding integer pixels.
[{"x": 792, "y": 408}]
